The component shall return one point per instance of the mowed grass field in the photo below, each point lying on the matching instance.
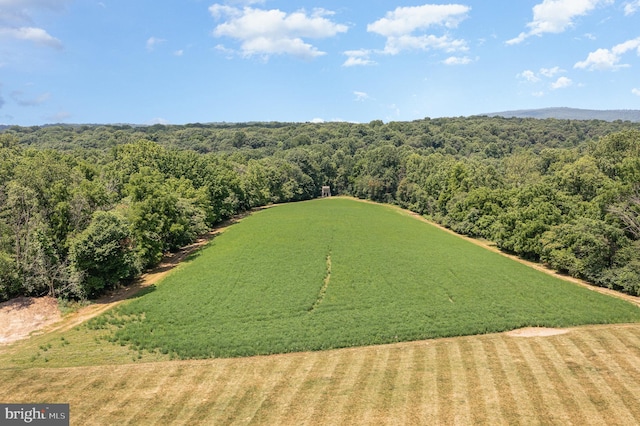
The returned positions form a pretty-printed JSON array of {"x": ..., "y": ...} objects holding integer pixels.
[
  {"x": 589, "y": 376},
  {"x": 335, "y": 273}
]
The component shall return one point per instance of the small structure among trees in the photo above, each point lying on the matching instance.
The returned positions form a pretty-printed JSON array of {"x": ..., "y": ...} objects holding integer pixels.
[{"x": 326, "y": 191}]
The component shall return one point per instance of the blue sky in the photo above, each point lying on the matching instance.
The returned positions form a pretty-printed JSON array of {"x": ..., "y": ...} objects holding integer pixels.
[{"x": 186, "y": 61}]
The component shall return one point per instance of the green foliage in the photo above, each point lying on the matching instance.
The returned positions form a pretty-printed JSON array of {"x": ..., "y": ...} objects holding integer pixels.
[
  {"x": 101, "y": 254},
  {"x": 337, "y": 272},
  {"x": 506, "y": 180},
  {"x": 625, "y": 273},
  {"x": 9, "y": 284},
  {"x": 582, "y": 248}
]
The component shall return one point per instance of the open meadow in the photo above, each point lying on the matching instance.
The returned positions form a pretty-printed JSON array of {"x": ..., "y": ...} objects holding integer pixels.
[
  {"x": 327, "y": 274},
  {"x": 336, "y": 272},
  {"x": 588, "y": 376}
]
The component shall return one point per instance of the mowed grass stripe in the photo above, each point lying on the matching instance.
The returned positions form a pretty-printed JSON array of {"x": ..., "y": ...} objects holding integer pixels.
[
  {"x": 118, "y": 405},
  {"x": 475, "y": 389},
  {"x": 630, "y": 337},
  {"x": 174, "y": 404},
  {"x": 197, "y": 394},
  {"x": 276, "y": 403},
  {"x": 588, "y": 376},
  {"x": 153, "y": 394},
  {"x": 231, "y": 379},
  {"x": 430, "y": 403},
  {"x": 460, "y": 386},
  {"x": 553, "y": 407},
  {"x": 231, "y": 403},
  {"x": 592, "y": 379},
  {"x": 623, "y": 355},
  {"x": 528, "y": 380},
  {"x": 507, "y": 396},
  {"x": 626, "y": 402},
  {"x": 379, "y": 389},
  {"x": 577, "y": 407},
  {"x": 267, "y": 378},
  {"x": 258, "y": 412},
  {"x": 312, "y": 394},
  {"x": 354, "y": 391},
  {"x": 525, "y": 407},
  {"x": 582, "y": 390},
  {"x": 346, "y": 367},
  {"x": 14, "y": 381},
  {"x": 417, "y": 384},
  {"x": 445, "y": 403},
  {"x": 488, "y": 388},
  {"x": 254, "y": 289},
  {"x": 401, "y": 388},
  {"x": 565, "y": 368}
]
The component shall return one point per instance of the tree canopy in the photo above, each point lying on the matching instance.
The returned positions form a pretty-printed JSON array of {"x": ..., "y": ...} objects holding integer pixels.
[{"x": 83, "y": 208}]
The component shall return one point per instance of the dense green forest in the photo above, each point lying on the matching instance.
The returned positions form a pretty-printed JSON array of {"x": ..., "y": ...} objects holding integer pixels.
[{"x": 83, "y": 208}]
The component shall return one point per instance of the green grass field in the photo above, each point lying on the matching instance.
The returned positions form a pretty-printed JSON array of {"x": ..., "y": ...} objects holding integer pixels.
[{"x": 337, "y": 272}]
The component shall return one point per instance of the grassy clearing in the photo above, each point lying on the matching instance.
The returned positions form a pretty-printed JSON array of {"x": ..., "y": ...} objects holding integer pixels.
[
  {"x": 590, "y": 376},
  {"x": 336, "y": 272}
]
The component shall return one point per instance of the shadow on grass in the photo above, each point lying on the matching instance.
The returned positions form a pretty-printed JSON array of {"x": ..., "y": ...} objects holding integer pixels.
[{"x": 142, "y": 292}]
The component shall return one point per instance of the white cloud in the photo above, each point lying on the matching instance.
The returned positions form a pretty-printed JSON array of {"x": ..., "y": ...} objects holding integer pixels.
[
  {"x": 556, "y": 16},
  {"x": 353, "y": 61},
  {"x": 317, "y": 120},
  {"x": 456, "y": 60},
  {"x": 561, "y": 83},
  {"x": 600, "y": 59},
  {"x": 543, "y": 78},
  {"x": 405, "y": 20},
  {"x": 17, "y": 23},
  {"x": 550, "y": 72},
  {"x": 19, "y": 12},
  {"x": 35, "y": 35},
  {"x": 399, "y": 26},
  {"x": 272, "y": 32},
  {"x": 631, "y": 7},
  {"x": 152, "y": 42},
  {"x": 635, "y": 91},
  {"x": 530, "y": 76},
  {"x": 358, "y": 57},
  {"x": 603, "y": 59},
  {"x": 179, "y": 52},
  {"x": 23, "y": 100},
  {"x": 395, "y": 45},
  {"x": 361, "y": 96}
]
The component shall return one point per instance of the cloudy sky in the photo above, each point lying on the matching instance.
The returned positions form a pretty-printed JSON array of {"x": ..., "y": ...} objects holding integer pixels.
[{"x": 185, "y": 61}]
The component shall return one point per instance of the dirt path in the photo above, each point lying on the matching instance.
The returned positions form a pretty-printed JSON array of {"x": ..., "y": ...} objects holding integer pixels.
[{"x": 23, "y": 316}]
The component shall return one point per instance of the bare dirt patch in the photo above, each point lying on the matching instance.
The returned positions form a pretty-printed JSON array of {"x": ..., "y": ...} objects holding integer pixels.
[
  {"x": 21, "y": 316},
  {"x": 536, "y": 332}
]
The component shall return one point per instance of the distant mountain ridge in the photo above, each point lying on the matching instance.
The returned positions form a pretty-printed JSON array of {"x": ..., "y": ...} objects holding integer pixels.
[{"x": 564, "y": 113}]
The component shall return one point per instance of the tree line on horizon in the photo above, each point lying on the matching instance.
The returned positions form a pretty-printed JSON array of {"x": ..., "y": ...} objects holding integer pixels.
[{"x": 86, "y": 208}]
